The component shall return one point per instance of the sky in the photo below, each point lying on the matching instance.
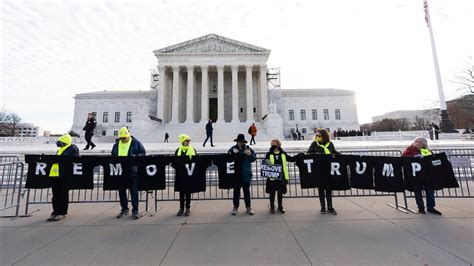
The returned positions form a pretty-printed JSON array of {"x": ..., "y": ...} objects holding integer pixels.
[{"x": 53, "y": 50}]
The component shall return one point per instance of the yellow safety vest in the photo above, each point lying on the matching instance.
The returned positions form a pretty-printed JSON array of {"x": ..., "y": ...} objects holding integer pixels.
[
  {"x": 54, "y": 172},
  {"x": 425, "y": 152},
  {"x": 124, "y": 147},
  {"x": 283, "y": 159},
  {"x": 325, "y": 147},
  {"x": 189, "y": 151}
]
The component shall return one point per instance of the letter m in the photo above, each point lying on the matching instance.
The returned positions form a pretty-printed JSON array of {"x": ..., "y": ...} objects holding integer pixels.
[{"x": 387, "y": 170}]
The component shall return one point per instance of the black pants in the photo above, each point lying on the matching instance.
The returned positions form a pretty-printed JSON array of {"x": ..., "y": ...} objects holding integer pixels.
[
  {"x": 252, "y": 139},
  {"x": 60, "y": 197},
  {"x": 328, "y": 195},
  {"x": 209, "y": 136},
  {"x": 182, "y": 198},
  {"x": 272, "y": 199},
  {"x": 166, "y": 140},
  {"x": 89, "y": 139},
  {"x": 236, "y": 199}
]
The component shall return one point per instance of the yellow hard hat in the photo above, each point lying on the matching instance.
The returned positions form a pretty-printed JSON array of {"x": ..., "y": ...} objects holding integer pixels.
[
  {"x": 183, "y": 137},
  {"x": 66, "y": 139},
  {"x": 123, "y": 133}
]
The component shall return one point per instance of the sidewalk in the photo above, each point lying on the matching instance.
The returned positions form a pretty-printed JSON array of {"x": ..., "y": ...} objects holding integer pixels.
[{"x": 366, "y": 231}]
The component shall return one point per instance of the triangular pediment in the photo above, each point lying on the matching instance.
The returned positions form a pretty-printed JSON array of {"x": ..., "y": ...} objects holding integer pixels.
[{"x": 211, "y": 43}]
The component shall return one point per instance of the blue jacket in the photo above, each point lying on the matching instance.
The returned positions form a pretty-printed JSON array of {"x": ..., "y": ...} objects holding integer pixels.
[
  {"x": 136, "y": 149},
  {"x": 247, "y": 162}
]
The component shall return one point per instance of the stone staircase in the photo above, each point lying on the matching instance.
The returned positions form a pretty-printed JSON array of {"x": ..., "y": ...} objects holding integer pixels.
[{"x": 223, "y": 132}]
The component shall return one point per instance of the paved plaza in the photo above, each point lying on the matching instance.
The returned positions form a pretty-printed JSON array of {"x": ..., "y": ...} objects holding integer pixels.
[{"x": 366, "y": 231}]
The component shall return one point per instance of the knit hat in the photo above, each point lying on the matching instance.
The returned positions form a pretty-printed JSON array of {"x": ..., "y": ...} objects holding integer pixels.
[
  {"x": 422, "y": 140},
  {"x": 123, "y": 133},
  {"x": 183, "y": 137},
  {"x": 66, "y": 139}
]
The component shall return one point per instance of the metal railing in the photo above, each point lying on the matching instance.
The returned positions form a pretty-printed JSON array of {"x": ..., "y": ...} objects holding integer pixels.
[
  {"x": 11, "y": 170},
  {"x": 464, "y": 176}
]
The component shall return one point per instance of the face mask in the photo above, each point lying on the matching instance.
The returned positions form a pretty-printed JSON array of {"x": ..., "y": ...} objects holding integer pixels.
[
  {"x": 274, "y": 146},
  {"x": 60, "y": 144}
]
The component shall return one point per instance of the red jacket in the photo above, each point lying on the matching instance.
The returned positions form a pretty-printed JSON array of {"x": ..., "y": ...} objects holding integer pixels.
[{"x": 411, "y": 151}]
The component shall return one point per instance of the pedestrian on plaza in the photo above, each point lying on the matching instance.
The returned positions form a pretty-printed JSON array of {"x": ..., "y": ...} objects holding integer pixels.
[
  {"x": 430, "y": 130},
  {"x": 436, "y": 131},
  {"x": 184, "y": 149},
  {"x": 419, "y": 148},
  {"x": 58, "y": 179},
  {"x": 253, "y": 133},
  {"x": 167, "y": 136},
  {"x": 276, "y": 155},
  {"x": 128, "y": 145},
  {"x": 247, "y": 156},
  {"x": 323, "y": 145},
  {"x": 91, "y": 123},
  {"x": 209, "y": 130}
]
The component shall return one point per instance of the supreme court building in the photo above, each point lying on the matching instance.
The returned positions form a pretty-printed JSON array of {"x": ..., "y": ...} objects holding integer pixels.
[{"x": 210, "y": 77}]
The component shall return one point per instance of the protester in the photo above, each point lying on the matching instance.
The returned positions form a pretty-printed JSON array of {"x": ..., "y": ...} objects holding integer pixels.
[
  {"x": 209, "y": 130},
  {"x": 248, "y": 156},
  {"x": 184, "y": 149},
  {"x": 128, "y": 145},
  {"x": 253, "y": 133},
  {"x": 167, "y": 136},
  {"x": 58, "y": 179},
  {"x": 323, "y": 145},
  {"x": 419, "y": 148},
  {"x": 276, "y": 155},
  {"x": 89, "y": 128}
]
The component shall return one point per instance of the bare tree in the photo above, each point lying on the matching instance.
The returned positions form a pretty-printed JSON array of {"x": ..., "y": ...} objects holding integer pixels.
[
  {"x": 466, "y": 77},
  {"x": 8, "y": 123}
]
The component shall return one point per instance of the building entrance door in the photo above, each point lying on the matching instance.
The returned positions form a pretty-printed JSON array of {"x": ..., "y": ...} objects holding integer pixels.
[{"x": 213, "y": 109}]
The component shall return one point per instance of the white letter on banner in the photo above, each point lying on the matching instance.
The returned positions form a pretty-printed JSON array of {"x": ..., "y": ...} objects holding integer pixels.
[
  {"x": 361, "y": 171},
  {"x": 415, "y": 167},
  {"x": 77, "y": 169},
  {"x": 40, "y": 168},
  {"x": 308, "y": 163},
  {"x": 335, "y": 168},
  {"x": 230, "y": 167},
  {"x": 190, "y": 171},
  {"x": 115, "y": 170},
  {"x": 151, "y": 169},
  {"x": 387, "y": 170}
]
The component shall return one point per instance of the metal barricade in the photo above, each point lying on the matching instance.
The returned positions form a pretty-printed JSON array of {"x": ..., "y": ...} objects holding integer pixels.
[
  {"x": 96, "y": 195},
  {"x": 462, "y": 161},
  {"x": 10, "y": 185},
  {"x": 257, "y": 188}
]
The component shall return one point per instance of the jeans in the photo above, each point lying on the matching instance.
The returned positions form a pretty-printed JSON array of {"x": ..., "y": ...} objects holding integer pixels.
[
  {"x": 246, "y": 187},
  {"x": 60, "y": 197},
  {"x": 182, "y": 198},
  {"x": 133, "y": 193},
  {"x": 328, "y": 197},
  {"x": 430, "y": 199}
]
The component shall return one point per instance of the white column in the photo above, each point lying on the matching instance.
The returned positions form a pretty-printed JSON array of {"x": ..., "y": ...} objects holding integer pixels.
[
  {"x": 161, "y": 94},
  {"x": 204, "y": 94},
  {"x": 175, "y": 102},
  {"x": 220, "y": 93},
  {"x": 235, "y": 93},
  {"x": 190, "y": 95},
  {"x": 249, "y": 94},
  {"x": 263, "y": 91}
]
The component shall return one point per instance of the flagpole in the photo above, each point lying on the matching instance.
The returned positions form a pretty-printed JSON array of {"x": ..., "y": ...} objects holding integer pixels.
[{"x": 446, "y": 124}]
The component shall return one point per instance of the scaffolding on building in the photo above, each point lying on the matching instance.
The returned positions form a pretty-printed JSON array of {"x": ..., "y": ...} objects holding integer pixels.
[{"x": 274, "y": 88}]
